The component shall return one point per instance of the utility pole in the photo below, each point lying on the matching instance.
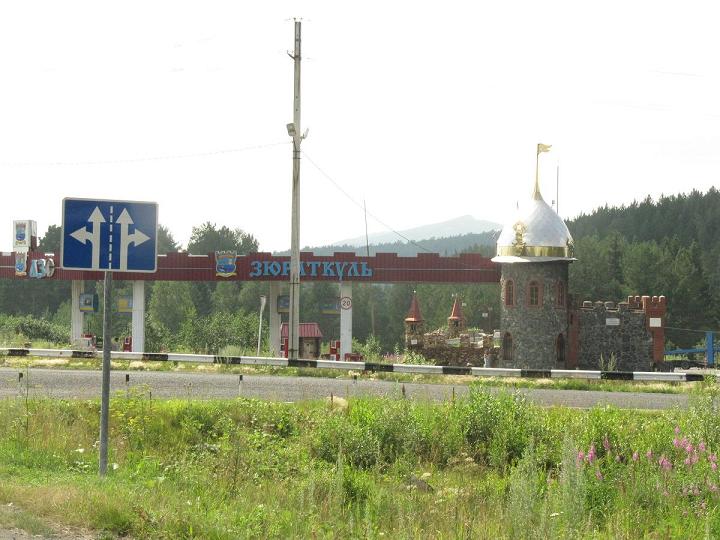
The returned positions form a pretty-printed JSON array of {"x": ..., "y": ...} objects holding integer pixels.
[
  {"x": 367, "y": 248},
  {"x": 297, "y": 137}
]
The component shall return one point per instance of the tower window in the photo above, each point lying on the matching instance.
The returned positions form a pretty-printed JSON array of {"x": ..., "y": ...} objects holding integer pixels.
[
  {"x": 507, "y": 346},
  {"x": 534, "y": 294},
  {"x": 509, "y": 293},
  {"x": 560, "y": 294},
  {"x": 560, "y": 351}
]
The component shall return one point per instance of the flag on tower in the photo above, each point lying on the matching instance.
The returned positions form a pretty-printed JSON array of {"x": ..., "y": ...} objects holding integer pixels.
[{"x": 543, "y": 148}]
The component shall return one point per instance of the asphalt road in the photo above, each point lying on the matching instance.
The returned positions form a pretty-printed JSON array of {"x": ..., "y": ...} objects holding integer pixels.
[{"x": 72, "y": 384}]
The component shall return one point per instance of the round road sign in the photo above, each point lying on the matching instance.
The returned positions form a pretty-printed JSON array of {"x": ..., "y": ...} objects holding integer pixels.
[{"x": 346, "y": 302}]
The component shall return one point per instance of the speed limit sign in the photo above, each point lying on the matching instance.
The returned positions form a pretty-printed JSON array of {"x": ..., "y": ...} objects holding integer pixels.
[{"x": 346, "y": 302}]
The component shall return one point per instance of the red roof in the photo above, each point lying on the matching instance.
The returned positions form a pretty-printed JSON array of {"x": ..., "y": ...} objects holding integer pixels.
[
  {"x": 414, "y": 314},
  {"x": 307, "y": 330},
  {"x": 457, "y": 314}
]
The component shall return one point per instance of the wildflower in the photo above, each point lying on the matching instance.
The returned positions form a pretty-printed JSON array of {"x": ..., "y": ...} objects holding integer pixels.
[
  {"x": 115, "y": 466},
  {"x": 591, "y": 454},
  {"x": 689, "y": 448},
  {"x": 635, "y": 456},
  {"x": 701, "y": 446},
  {"x": 687, "y": 461},
  {"x": 677, "y": 430},
  {"x": 676, "y": 442},
  {"x": 649, "y": 454},
  {"x": 80, "y": 450},
  {"x": 580, "y": 456},
  {"x": 664, "y": 463},
  {"x": 713, "y": 466},
  {"x": 694, "y": 458},
  {"x": 606, "y": 444},
  {"x": 712, "y": 458},
  {"x": 598, "y": 475}
]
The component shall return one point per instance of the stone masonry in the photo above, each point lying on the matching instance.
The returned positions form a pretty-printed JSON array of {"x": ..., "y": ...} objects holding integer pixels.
[
  {"x": 622, "y": 337},
  {"x": 534, "y": 329}
]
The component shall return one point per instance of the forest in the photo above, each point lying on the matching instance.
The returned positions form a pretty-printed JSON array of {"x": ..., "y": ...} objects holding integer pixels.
[{"x": 665, "y": 247}]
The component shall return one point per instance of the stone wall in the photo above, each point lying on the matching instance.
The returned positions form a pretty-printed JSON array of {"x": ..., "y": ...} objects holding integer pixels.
[
  {"x": 610, "y": 330},
  {"x": 534, "y": 329},
  {"x": 455, "y": 356}
]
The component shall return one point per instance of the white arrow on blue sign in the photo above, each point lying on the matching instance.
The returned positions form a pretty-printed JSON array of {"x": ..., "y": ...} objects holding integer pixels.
[{"x": 113, "y": 236}]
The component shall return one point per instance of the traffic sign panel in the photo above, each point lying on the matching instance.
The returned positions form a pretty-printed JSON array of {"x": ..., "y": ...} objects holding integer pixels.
[{"x": 115, "y": 236}]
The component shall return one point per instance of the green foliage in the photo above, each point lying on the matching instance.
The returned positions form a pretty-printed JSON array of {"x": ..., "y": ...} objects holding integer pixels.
[
  {"x": 212, "y": 333},
  {"x": 171, "y": 304},
  {"x": 381, "y": 468},
  {"x": 33, "y": 329},
  {"x": 207, "y": 238}
]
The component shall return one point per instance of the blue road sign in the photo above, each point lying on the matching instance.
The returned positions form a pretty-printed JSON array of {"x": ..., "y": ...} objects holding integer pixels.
[{"x": 114, "y": 236}]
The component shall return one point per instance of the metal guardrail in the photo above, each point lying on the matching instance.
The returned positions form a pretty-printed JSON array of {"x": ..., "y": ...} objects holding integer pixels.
[{"x": 364, "y": 366}]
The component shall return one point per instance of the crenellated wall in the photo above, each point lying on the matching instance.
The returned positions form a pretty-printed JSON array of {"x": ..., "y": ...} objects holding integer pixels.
[{"x": 632, "y": 332}]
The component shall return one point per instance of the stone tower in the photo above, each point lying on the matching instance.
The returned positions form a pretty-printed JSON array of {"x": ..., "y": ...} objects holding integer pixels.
[
  {"x": 456, "y": 320},
  {"x": 414, "y": 326},
  {"x": 534, "y": 252}
]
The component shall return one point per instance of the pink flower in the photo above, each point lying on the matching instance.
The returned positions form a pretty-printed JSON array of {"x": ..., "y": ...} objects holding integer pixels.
[
  {"x": 701, "y": 446},
  {"x": 676, "y": 442},
  {"x": 591, "y": 454},
  {"x": 649, "y": 454},
  {"x": 677, "y": 430},
  {"x": 580, "y": 456},
  {"x": 688, "y": 448},
  {"x": 712, "y": 458},
  {"x": 694, "y": 458},
  {"x": 635, "y": 456},
  {"x": 687, "y": 461},
  {"x": 606, "y": 444},
  {"x": 713, "y": 466},
  {"x": 665, "y": 463}
]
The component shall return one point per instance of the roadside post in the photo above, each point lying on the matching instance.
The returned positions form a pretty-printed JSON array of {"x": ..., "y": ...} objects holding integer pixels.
[{"x": 108, "y": 236}]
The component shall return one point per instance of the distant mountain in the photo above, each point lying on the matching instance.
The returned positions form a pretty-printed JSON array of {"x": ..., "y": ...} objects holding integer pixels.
[
  {"x": 462, "y": 225},
  {"x": 478, "y": 243}
]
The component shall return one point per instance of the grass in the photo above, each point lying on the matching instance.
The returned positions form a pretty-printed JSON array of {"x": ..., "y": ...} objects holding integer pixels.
[
  {"x": 484, "y": 466},
  {"x": 501, "y": 382}
]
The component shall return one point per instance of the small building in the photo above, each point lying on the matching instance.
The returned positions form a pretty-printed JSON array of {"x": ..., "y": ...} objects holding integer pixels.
[
  {"x": 414, "y": 338},
  {"x": 310, "y": 340},
  {"x": 456, "y": 320}
]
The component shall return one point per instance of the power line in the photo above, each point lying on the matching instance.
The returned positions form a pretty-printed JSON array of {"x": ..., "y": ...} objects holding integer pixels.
[
  {"x": 362, "y": 206},
  {"x": 210, "y": 153}
]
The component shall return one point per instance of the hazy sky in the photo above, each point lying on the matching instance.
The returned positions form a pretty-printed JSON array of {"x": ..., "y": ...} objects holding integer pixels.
[{"x": 427, "y": 111}]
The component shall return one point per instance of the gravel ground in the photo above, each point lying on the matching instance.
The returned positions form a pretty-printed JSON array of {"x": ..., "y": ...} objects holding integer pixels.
[{"x": 71, "y": 384}]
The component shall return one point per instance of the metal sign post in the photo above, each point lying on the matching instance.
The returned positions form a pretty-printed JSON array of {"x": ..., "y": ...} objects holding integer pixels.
[{"x": 105, "y": 399}]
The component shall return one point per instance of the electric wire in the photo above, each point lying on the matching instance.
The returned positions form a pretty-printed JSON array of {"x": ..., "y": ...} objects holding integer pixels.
[{"x": 362, "y": 207}]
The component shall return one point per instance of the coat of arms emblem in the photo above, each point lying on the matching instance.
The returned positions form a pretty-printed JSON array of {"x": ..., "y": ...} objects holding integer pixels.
[
  {"x": 20, "y": 263},
  {"x": 225, "y": 263}
]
